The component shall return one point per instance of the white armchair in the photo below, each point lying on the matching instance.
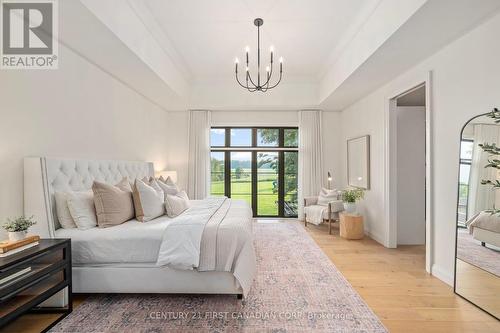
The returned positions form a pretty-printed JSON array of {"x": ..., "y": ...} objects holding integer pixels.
[{"x": 326, "y": 204}]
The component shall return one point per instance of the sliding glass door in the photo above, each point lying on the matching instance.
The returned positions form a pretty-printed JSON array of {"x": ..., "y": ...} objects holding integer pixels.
[
  {"x": 258, "y": 165},
  {"x": 241, "y": 175},
  {"x": 267, "y": 184}
]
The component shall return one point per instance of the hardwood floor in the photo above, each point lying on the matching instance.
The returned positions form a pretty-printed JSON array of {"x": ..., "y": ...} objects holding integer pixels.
[{"x": 393, "y": 282}]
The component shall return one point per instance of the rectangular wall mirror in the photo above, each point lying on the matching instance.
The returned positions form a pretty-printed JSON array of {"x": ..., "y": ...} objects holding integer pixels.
[{"x": 358, "y": 162}]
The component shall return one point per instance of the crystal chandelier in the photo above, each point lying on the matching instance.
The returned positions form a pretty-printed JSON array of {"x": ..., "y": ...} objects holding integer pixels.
[{"x": 261, "y": 84}]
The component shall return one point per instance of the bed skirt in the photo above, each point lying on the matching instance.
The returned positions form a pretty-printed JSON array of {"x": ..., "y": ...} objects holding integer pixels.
[{"x": 144, "y": 279}]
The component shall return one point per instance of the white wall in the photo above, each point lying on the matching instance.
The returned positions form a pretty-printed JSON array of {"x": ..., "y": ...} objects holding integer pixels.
[
  {"x": 228, "y": 95},
  {"x": 76, "y": 111},
  {"x": 332, "y": 147},
  {"x": 464, "y": 83},
  {"x": 366, "y": 118},
  {"x": 410, "y": 133}
]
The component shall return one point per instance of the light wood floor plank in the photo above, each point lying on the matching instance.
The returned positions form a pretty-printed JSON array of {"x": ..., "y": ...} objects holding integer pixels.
[{"x": 394, "y": 283}]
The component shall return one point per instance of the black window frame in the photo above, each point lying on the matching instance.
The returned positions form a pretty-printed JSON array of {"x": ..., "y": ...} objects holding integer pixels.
[
  {"x": 254, "y": 149},
  {"x": 465, "y": 161}
]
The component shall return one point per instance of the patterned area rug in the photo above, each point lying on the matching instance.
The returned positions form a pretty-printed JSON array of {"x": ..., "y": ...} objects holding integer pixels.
[
  {"x": 471, "y": 251},
  {"x": 297, "y": 289}
]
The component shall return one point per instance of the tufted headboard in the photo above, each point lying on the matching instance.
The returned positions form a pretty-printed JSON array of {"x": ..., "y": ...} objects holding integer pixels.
[{"x": 43, "y": 176}]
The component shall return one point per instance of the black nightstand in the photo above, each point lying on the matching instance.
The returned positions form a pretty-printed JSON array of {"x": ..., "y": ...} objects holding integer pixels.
[{"x": 47, "y": 270}]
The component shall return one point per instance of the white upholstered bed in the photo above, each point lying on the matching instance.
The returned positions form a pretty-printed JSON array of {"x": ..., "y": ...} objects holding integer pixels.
[
  {"x": 485, "y": 227},
  {"x": 119, "y": 259}
]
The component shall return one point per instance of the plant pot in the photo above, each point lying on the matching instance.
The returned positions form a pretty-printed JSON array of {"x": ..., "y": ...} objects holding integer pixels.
[
  {"x": 17, "y": 235},
  {"x": 350, "y": 207}
]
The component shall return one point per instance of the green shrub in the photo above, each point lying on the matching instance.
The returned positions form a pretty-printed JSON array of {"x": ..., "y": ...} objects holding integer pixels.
[
  {"x": 352, "y": 195},
  {"x": 20, "y": 223}
]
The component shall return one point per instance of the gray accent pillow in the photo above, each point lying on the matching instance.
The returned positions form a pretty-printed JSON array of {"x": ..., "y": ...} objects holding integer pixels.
[{"x": 168, "y": 187}]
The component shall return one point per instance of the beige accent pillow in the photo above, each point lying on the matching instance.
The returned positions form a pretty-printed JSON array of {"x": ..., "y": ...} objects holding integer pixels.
[
  {"x": 148, "y": 200},
  {"x": 113, "y": 204},
  {"x": 176, "y": 204}
]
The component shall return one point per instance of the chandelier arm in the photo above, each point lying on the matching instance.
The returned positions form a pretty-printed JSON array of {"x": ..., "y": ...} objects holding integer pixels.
[
  {"x": 269, "y": 76},
  {"x": 250, "y": 89},
  {"x": 238, "y": 80},
  {"x": 271, "y": 87},
  {"x": 251, "y": 81}
]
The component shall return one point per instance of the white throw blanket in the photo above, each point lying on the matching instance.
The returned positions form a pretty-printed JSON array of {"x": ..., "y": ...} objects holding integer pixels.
[
  {"x": 314, "y": 214},
  {"x": 214, "y": 235}
]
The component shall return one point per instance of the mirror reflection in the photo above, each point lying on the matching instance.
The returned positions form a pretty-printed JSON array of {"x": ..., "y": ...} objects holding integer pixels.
[{"x": 478, "y": 214}]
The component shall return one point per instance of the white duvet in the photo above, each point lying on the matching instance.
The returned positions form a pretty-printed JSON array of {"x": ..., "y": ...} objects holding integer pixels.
[
  {"x": 181, "y": 240},
  {"x": 215, "y": 235}
]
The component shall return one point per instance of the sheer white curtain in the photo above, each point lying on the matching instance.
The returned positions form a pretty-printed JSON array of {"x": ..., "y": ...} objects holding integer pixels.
[
  {"x": 311, "y": 176},
  {"x": 199, "y": 154},
  {"x": 481, "y": 197}
]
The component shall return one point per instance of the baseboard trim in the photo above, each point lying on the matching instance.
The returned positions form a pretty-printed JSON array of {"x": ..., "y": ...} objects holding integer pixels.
[
  {"x": 442, "y": 274},
  {"x": 375, "y": 237}
]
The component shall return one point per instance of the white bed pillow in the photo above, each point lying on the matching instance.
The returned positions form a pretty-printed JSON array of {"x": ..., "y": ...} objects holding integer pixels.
[
  {"x": 62, "y": 210},
  {"x": 176, "y": 204},
  {"x": 148, "y": 200},
  {"x": 168, "y": 188},
  {"x": 326, "y": 196},
  {"x": 82, "y": 209}
]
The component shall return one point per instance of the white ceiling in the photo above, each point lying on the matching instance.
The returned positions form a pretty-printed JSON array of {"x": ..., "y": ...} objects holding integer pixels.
[
  {"x": 208, "y": 35},
  {"x": 335, "y": 51}
]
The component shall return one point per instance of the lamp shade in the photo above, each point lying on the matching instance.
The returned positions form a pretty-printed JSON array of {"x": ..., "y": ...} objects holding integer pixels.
[{"x": 168, "y": 173}]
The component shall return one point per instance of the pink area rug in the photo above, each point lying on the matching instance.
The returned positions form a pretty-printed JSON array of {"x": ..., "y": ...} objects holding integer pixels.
[
  {"x": 471, "y": 251},
  {"x": 297, "y": 289}
]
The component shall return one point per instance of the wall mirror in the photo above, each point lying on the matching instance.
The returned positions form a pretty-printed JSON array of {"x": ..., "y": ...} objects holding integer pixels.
[
  {"x": 358, "y": 162},
  {"x": 477, "y": 263}
]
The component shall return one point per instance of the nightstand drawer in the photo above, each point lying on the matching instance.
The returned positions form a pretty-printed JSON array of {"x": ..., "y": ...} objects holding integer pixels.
[
  {"x": 31, "y": 291},
  {"x": 15, "y": 276}
]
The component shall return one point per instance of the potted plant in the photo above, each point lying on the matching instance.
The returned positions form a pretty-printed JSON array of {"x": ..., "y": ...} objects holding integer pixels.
[
  {"x": 350, "y": 196},
  {"x": 18, "y": 227}
]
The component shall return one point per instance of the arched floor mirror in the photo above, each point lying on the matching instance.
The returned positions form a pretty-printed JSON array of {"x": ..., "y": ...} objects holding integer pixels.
[{"x": 477, "y": 263}]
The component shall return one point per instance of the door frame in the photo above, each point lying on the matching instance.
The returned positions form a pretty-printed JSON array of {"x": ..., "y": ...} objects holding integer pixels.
[{"x": 390, "y": 139}]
